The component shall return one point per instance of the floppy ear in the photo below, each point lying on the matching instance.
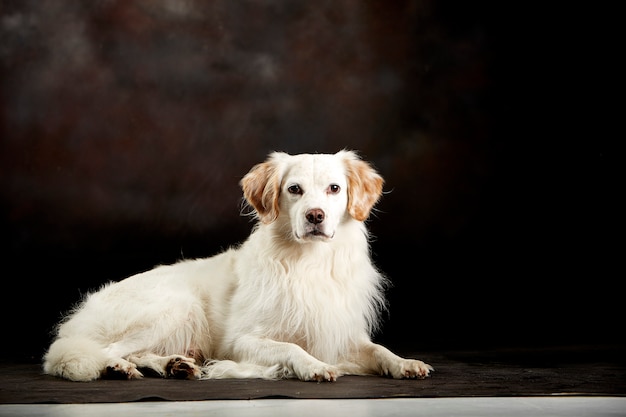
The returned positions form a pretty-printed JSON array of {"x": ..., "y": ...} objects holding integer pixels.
[
  {"x": 365, "y": 185},
  {"x": 261, "y": 188}
]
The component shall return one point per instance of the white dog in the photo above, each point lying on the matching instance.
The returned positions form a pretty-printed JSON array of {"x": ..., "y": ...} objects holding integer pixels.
[{"x": 299, "y": 298}]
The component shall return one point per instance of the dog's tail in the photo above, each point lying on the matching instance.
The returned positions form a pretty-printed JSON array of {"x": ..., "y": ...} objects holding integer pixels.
[
  {"x": 75, "y": 358},
  {"x": 226, "y": 369}
]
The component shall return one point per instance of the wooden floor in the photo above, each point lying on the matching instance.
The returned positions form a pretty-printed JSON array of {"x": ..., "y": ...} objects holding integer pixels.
[{"x": 559, "y": 406}]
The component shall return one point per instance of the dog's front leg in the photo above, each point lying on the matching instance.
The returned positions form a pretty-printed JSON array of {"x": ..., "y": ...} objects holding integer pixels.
[
  {"x": 295, "y": 360},
  {"x": 374, "y": 358}
]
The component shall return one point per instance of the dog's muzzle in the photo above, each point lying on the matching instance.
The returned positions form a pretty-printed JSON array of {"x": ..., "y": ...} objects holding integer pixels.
[{"x": 314, "y": 228}]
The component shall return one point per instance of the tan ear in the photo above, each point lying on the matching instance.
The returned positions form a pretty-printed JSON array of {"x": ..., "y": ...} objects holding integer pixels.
[
  {"x": 261, "y": 188},
  {"x": 365, "y": 186}
]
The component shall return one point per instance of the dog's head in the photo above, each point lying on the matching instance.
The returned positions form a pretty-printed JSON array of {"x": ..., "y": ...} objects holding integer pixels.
[{"x": 312, "y": 193}]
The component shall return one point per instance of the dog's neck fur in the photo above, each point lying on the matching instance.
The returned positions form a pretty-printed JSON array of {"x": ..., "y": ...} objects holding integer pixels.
[{"x": 297, "y": 274}]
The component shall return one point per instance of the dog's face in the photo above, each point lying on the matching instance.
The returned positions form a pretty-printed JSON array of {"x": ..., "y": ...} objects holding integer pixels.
[{"x": 312, "y": 194}]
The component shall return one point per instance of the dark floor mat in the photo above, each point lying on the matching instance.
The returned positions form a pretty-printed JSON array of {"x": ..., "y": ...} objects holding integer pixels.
[{"x": 516, "y": 372}]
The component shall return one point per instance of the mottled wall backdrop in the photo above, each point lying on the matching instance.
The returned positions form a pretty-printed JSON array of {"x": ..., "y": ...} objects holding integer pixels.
[{"x": 126, "y": 125}]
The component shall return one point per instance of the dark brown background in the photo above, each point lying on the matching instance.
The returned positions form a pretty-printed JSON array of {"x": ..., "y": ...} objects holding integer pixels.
[{"x": 126, "y": 125}]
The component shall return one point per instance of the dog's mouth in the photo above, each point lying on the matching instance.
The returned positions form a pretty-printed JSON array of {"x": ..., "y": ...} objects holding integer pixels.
[{"x": 314, "y": 233}]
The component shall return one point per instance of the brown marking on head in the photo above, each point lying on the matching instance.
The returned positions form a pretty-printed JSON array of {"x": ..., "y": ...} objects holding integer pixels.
[
  {"x": 261, "y": 187},
  {"x": 365, "y": 185}
]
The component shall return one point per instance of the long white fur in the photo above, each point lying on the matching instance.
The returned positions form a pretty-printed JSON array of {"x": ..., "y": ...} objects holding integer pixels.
[{"x": 285, "y": 303}]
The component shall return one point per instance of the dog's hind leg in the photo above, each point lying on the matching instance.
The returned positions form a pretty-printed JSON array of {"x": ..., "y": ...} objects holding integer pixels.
[{"x": 82, "y": 359}]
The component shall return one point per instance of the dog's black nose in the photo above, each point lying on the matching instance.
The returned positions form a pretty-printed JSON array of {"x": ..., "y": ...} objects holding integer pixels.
[{"x": 315, "y": 216}]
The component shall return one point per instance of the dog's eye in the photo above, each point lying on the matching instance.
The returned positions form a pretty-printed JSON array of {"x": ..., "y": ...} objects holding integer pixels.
[
  {"x": 294, "y": 189},
  {"x": 333, "y": 188}
]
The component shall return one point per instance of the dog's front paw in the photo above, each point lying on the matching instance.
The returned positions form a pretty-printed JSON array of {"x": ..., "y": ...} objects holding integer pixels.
[
  {"x": 409, "y": 368},
  {"x": 319, "y": 372}
]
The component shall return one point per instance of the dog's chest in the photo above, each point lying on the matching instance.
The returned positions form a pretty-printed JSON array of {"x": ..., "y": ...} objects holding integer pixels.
[
  {"x": 321, "y": 300},
  {"x": 321, "y": 313}
]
